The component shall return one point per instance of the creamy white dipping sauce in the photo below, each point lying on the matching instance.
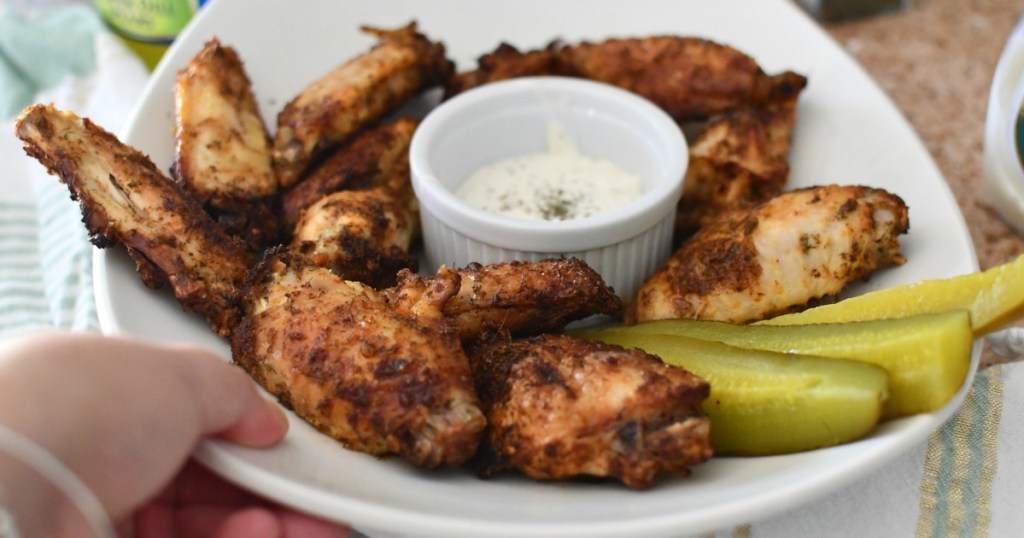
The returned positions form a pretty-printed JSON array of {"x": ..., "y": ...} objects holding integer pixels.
[{"x": 560, "y": 184}]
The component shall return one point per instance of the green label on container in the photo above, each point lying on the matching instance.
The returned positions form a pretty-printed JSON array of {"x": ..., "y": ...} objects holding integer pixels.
[{"x": 148, "y": 20}]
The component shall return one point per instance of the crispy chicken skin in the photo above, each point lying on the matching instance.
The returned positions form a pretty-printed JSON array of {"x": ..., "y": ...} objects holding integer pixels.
[
  {"x": 739, "y": 158},
  {"x": 355, "y": 94},
  {"x": 690, "y": 78},
  {"x": 746, "y": 265},
  {"x": 372, "y": 158},
  {"x": 360, "y": 235},
  {"x": 375, "y": 376},
  {"x": 506, "y": 62},
  {"x": 125, "y": 199},
  {"x": 526, "y": 298},
  {"x": 365, "y": 235},
  {"x": 222, "y": 146},
  {"x": 560, "y": 407}
]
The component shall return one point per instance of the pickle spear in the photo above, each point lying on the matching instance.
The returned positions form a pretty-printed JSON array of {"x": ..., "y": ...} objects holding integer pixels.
[
  {"x": 765, "y": 403},
  {"x": 994, "y": 298},
  {"x": 927, "y": 356}
]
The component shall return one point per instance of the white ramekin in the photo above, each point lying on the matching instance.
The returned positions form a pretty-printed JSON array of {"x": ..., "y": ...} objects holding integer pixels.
[
  {"x": 1002, "y": 171},
  {"x": 512, "y": 118}
]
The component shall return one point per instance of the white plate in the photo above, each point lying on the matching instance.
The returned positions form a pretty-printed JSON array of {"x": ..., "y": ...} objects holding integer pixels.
[{"x": 848, "y": 132}]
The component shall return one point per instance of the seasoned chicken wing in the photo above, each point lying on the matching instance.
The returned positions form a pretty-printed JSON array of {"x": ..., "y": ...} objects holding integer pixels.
[
  {"x": 373, "y": 375},
  {"x": 507, "y": 62},
  {"x": 361, "y": 235},
  {"x": 374, "y": 157},
  {"x": 223, "y": 149},
  {"x": 690, "y": 78},
  {"x": 354, "y": 95},
  {"x": 523, "y": 298},
  {"x": 126, "y": 199},
  {"x": 799, "y": 246},
  {"x": 365, "y": 235},
  {"x": 559, "y": 407},
  {"x": 739, "y": 158}
]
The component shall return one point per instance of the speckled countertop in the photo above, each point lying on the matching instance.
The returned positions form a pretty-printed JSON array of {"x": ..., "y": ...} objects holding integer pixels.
[{"x": 935, "y": 59}]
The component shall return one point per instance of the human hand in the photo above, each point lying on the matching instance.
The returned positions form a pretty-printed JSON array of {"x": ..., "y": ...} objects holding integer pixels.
[{"x": 124, "y": 417}]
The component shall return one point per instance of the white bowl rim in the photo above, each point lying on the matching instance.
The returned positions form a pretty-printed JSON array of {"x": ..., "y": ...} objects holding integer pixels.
[{"x": 544, "y": 235}]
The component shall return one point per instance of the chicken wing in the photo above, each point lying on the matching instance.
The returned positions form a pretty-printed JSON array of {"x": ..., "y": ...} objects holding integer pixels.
[
  {"x": 799, "y": 246},
  {"x": 690, "y": 78},
  {"x": 739, "y": 158},
  {"x": 523, "y": 298},
  {"x": 125, "y": 199},
  {"x": 223, "y": 149},
  {"x": 370, "y": 374},
  {"x": 365, "y": 235},
  {"x": 559, "y": 407},
  {"x": 361, "y": 235},
  {"x": 372, "y": 158},
  {"x": 507, "y": 62},
  {"x": 354, "y": 95}
]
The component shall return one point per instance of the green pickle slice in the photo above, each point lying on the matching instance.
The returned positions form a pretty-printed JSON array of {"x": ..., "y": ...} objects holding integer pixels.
[
  {"x": 927, "y": 356},
  {"x": 994, "y": 298},
  {"x": 764, "y": 402}
]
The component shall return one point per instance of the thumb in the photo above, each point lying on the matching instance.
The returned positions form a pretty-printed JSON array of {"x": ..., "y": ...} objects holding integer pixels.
[
  {"x": 230, "y": 406},
  {"x": 125, "y": 415}
]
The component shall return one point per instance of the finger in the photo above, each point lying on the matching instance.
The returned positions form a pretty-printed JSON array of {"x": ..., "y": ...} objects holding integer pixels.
[
  {"x": 263, "y": 425},
  {"x": 231, "y": 406}
]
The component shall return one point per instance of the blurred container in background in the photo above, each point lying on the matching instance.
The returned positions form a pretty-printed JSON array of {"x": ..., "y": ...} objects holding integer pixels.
[
  {"x": 1002, "y": 169},
  {"x": 148, "y": 26},
  {"x": 840, "y": 10}
]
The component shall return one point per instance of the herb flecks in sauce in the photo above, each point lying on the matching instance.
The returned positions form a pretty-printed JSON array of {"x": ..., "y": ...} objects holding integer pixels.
[{"x": 560, "y": 184}]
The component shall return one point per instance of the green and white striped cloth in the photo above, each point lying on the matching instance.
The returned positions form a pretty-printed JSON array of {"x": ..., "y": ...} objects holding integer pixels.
[
  {"x": 966, "y": 480},
  {"x": 45, "y": 276},
  {"x": 45, "y": 257}
]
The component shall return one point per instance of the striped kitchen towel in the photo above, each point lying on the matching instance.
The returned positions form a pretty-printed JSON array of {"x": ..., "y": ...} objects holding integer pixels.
[{"x": 45, "y": 257}]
